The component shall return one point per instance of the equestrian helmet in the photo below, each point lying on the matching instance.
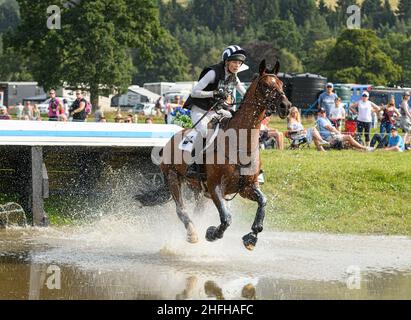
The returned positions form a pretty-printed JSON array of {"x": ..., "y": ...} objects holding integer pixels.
[{"x": 234, "y": 53}]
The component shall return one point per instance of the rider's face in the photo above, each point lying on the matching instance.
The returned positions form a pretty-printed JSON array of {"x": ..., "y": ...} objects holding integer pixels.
[{"x": 234, "y": 66}]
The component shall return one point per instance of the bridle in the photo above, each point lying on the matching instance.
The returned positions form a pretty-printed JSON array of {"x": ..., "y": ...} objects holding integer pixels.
[{"x": 271, "y": 97}]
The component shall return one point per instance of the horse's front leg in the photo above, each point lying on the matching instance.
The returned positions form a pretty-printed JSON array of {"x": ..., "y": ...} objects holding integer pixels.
[
  {"x": 214, "y": 233},
  {"x": 254, "y": 193}
]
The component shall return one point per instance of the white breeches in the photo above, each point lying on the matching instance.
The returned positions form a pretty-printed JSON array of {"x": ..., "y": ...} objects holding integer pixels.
[{"x": 202, "y": 126}]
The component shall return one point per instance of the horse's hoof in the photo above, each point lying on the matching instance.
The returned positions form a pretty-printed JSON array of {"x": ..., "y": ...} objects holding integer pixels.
[
  {"x": 192, "y": 236},
  {"x": 210, "y": 234},
  {"x": 250, "y": 241}
]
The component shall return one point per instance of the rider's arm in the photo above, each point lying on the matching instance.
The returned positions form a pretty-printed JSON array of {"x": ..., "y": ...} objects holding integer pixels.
[{"x": 198, "y": 90}]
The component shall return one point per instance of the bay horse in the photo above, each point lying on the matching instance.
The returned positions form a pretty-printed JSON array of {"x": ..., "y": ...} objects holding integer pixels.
[{"x": 265, "y": 94}]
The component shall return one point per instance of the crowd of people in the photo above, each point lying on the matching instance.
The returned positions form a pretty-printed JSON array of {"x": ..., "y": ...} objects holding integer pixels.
[
  {"x": 60, "y": 110},
  {"x": 327, "y": 132},
  {"x": 331, "y": 115}
]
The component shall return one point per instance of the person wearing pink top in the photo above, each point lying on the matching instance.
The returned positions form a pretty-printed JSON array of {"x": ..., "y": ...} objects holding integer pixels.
[{"x": 55, "y": 107}]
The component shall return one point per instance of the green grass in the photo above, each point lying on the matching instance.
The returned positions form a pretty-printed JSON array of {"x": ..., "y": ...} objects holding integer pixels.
[{"x": 338, "y": 191}]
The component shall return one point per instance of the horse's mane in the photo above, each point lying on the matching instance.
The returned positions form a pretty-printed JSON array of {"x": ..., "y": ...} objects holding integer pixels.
[{"x": 250, "y": 90}]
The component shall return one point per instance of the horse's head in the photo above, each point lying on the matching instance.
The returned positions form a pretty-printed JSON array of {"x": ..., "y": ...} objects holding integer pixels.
[{"x": 270, "y": 88}]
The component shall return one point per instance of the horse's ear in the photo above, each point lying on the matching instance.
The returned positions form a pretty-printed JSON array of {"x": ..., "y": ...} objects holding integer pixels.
[
  {"x": 262, "y": 67},
  {"x": 277, "y": 67}
]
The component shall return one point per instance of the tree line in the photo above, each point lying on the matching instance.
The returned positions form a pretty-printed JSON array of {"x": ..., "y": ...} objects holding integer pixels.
[{"x": 115, "y": 43}]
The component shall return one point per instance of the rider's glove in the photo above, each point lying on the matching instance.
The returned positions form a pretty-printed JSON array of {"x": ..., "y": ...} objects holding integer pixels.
[{"x": 220, "y": 94}]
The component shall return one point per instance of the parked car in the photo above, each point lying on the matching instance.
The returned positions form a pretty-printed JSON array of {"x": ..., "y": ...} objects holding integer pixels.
[
  {"x": 146, "y": 109},
  {"x": 44, "y": 106}
]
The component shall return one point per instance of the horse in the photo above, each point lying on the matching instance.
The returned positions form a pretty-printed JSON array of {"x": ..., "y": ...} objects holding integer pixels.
[{"x": 265, "y": 94}]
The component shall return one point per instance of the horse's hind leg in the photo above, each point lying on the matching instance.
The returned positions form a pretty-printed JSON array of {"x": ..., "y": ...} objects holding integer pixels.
[
  {"x": 175, "y": 189},
  {"x": 254, "y": 193},
  {"x": 214, "y": 233}
]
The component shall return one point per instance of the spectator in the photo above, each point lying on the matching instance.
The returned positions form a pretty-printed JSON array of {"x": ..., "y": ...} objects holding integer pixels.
[
  {"x": 406, "y": 119},
  {"x": 36, "y": 113},
  {"x": 26, "y": 117},
  {"x": 98, "y": 114},
  {"x": 326, "y": 100},
  {"x": 19, "y": 111},
  {"x": 27, "y": 111},
  {"x": 103, "y": 119},
  {"x": 395, "y": 143},
  {"x": 4, "y": 114},
  {"x": 269, "y": 133},
  {"x": 119, "y": 117},
  {"x": 159, "y": 106},
  {"x": 296, "y": 127},
  {"x": 337, "y": 114},
  {"x": 388, "y": 117},
  {"x": 62, "y": 117},
  {"x": 129, "y": 119},
  {"x": 55, "y": 106},
  {"x": 66, "y": 107},
  {"x": 365, "y": 108},
  {"x": 77, "y": 110},
  {"x": 333, "y": 136},
  {"x": 149, "y": 121}
]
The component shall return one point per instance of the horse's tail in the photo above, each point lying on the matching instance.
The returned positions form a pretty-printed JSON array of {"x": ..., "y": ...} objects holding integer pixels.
[{"x": 154, "y": 196}]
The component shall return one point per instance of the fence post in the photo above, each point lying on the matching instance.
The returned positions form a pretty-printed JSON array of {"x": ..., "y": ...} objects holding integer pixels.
[{"x": 37, "y": 203}]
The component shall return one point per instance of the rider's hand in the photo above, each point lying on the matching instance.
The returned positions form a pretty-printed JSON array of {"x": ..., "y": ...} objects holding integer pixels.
[{"x": 220, "y": 94}]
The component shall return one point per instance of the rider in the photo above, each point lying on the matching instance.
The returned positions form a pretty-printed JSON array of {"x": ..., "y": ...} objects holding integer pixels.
[{"x": 216, "y": 83}]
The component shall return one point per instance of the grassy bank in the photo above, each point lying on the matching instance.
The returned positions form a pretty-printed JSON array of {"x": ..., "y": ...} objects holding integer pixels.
[{"x": 338, "y": 191}]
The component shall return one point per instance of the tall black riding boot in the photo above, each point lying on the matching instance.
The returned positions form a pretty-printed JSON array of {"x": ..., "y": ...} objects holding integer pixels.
[{"x": 192, "y": 169}]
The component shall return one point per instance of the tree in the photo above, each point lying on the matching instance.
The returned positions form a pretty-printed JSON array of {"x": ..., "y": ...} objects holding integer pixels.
[
  {"x": 315, "y": 59},
  {"x": 257, "y": 51},
  {"x": 9, "y": 17},
  {"x": 283, "y": 34},
  {"x": 13, "y": 66},
  {"x": 314, "y": 30},
  {"x": 301, "y": 10},
  {"x": 358, "y": 56},
  {"x": 92, "y": 48},
  {"x": 397, "y": 47},
  {"x": 371, "y": 10},
  {"x": 169, "y": 62},
  {"x": 341, "y": 15},
  {"x": 404, "y": 10},
  {"x": 387, "y": 15},
  {"x": 289, "y": 62}
]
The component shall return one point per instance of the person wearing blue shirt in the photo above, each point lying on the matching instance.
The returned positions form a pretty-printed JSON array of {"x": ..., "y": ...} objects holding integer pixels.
[
  {"x": 395, "y": 143},
  {"x": 327, "y": 99},
  {"x": 333, "y": 136}
]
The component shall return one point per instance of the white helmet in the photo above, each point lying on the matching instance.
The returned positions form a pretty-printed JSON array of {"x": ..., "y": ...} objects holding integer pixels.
[{"x": 234, "y": 53}]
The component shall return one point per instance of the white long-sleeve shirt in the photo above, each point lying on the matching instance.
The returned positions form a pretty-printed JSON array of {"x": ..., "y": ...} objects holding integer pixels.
[{"x": 209, "y": 77}]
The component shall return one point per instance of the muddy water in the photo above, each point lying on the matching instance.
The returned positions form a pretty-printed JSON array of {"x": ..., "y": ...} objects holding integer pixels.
[{"x": 144, "y": 256}]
